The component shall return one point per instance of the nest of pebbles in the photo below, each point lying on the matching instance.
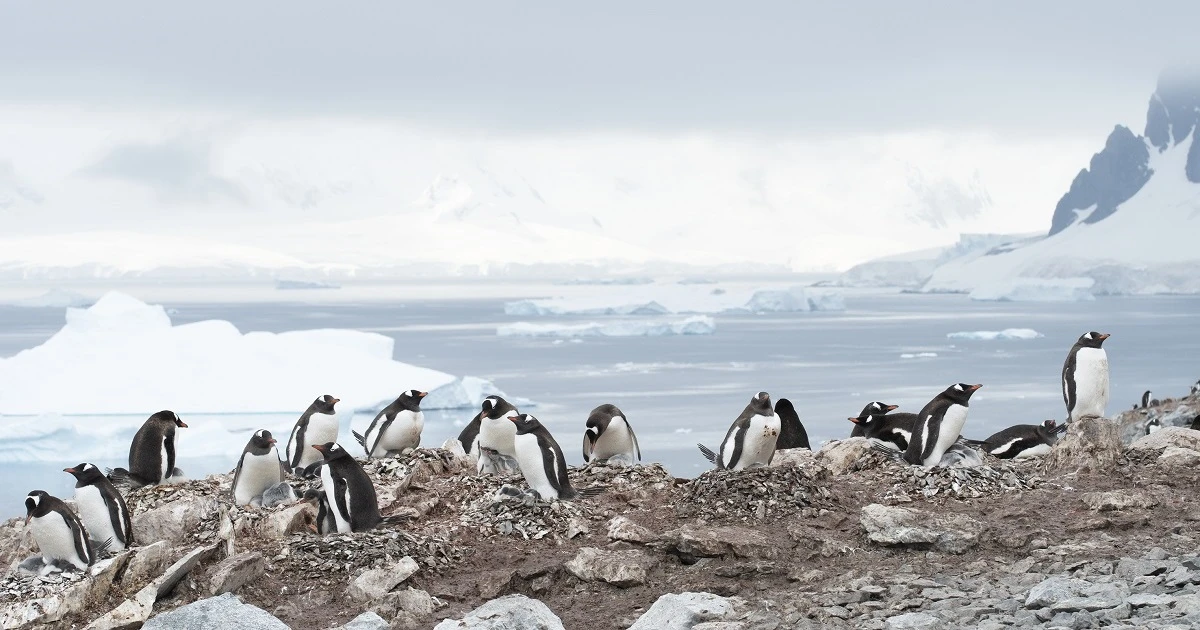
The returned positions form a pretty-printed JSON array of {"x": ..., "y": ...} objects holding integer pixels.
[
  {"x": 996, "y": 476},
  {"x": 147, "y": 498},
  {"x": 318, "y": 556},
  {"x": 756, "y": 493},
  {"x": 22, "y": 587}
]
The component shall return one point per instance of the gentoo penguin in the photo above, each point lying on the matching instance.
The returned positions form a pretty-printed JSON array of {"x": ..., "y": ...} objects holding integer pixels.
[
  {"x": 541, "y": 460},
  {"x": 1148, "y": 400},
  {"x": 152, "y": 453},
  {"x": 317, "y": 425},
  {"x": 325, "y": 523},
  {"x": 258, "y": 469},
  {"x": 1022, "y": 440},
  {"x": 1195, "y": 425},
  {"x": 751, "y": 439},
  {"x": 101, "y": 508},
  {"x": 609, "y": 437},
  {"x": 939, "y": 425},
  {"x": 1153, "y": 424},
  {"x": 1085, "y": 377},
  {"x": 349, "y": 493},
  {"x": 59, "y": 534},
  {"x": 397, "y": 428},
  {"x": 489, "y": 436},
  {"x": 1195, "y": 391},
  {"x": 791, "y": 430},
  {"x": 893, "y": 430}
]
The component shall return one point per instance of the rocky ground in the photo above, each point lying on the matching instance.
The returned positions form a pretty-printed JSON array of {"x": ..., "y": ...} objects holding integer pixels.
[{"x": 1097, "y": 534}]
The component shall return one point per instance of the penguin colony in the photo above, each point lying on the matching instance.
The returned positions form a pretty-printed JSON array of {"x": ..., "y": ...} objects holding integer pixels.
[{"x": 503, "y": 439}]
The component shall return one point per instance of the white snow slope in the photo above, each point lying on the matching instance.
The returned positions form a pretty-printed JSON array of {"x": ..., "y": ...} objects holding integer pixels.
[
  {"x": 695, "y": 325},
  {"x": 676, "y": 298}
]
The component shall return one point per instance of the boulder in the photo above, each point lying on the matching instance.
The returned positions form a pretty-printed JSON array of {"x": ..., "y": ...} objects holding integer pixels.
[
  {"x": 413, "y": 601},
  {"x": 684, "y": 611},
  {"x": 87, "y": 592},
  {"x": 914, "y": 621},
  {"x": 1167, "y": 437},
  {"x": 16, "y": 543},
  {"x": 899, "y": 526},
  {"x": 176, "y": 572},
  {"x": 174, "y": 522},
  {"x": 1118, "y": 500},
  {"x": 1182, "y": 457},
  {"x": 236, "y": 571},
  {"x": 619, "y": 568},
  {"x": 222, "y": 611},
  {"x": 712, "y": 542},
  {"x": 376, "y": 583},
  {"x": 1091, "y": 444},
  {"x": 844, "y": 456},
  {"x": 511, "y": 612},
  {"x": 793, "y": 457},
  {"x": 366, "y": 621},
  {"x": 621, "y": 528},
  {"x": 147, "y": 563}
]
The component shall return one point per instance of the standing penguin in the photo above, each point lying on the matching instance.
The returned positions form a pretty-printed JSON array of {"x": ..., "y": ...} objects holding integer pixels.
[
  {"x": 258, "y": 469},
  {"x": 939, "y": 425},
  {"x": 397, "y": 428},
  {"x": 317, "y": 425},
  {"x": 1148, "y": 400},
  {"x": 101, "y": 508},
  {"x": 60, "y": 535},
  {"x": 751, "y": 439},
  {"x": 489, "y": 436},
  {"x": 541, "y": 460},
  {"x": 1085, "y": 377},
  {"x": 152, "y": 453},
  {"x": 1022, "y": 440},
  {"x": 791, "y": 430},
  {"x": 349, "y": 493},
  {"x": 609, "y": 437},
  {"x": 893, "y": 430}
]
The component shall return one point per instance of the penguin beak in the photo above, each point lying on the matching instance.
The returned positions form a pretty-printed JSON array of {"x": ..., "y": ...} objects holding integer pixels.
[
  {"x": 893, "y": 407},
  {"x": 422, "y": 394},
  {"x": 182, "y": 424},
  {"x": 27, "y": 517},
  {"x": 319, "y": 447},
  {"x": 272, "y": 442},
  {"x": 69, "y": 470},
  {"x": 513, "y": 418},
  {"x": 1104, "y": 336},
  {"x": 336, "y": 401},
  {"x": 975, "y": 387},
  {"x": 854, "y": 420}
]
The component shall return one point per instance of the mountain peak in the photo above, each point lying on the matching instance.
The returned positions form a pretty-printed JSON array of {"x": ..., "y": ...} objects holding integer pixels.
[{"x": 1174, "y": 107}]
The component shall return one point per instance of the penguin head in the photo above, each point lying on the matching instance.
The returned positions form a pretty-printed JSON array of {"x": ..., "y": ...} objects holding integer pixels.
[
  {"x": 36, "y": 504},
  {"x": 877, "y": 409},
  {"x": 960, "y": 393},
  {"x": 525, "y": 423},
  {"x": 262, "y": 441},
  {"x": 324, "y": 404},
  {"x": 495, "y": 407},
  {"x": 1092, "y": 339},
  {"x": 866, "y": 420},
  {"x": 411, "y": 399},
  {"x": 166, "y": 416},
  {"x": 761, "y": 404},
  {"x": 84, "y": 472},
  {"x": 331, "y": 450}
]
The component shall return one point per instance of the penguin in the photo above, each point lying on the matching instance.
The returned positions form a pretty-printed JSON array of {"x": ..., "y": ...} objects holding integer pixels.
[
  {"x": 751, "y": 439},
  {"x": 609, "y": 437},
  {"x": 791, "y": 430},
  {"x": 258, "y": 469},
  {"x": 541, "y": 460},
  {"x": 1022, "y": 440},
  {"x": 60, "y": 535},
  {"x": 317, "y": 425},
  {"x": 102, "y": 509},
  {"x": 961, "y": 455},
  {"x": 1153, "y": 424},
  {"x": 1148, "y": 400},
  {"x": 893, "y": 430},
  {"x": 349, "y": 493},
  {"x": 1195, "y": 425},
  {"x": 1085, "y": 377},
  {"x": 939, "y": 425},
  {"x": 400, "y": 428},
  {"x": 152, "y": 453},
  {"x": 489, "y": 436},
  {"x": 1195, "y": 391}
]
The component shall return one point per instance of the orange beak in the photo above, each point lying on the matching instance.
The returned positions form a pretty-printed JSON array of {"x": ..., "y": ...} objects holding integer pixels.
[
  {"x": 854, "y": 420},
  {"x": 513, "y": 418},
  {"x": 1104, "y": 336},
  {"x": 182, "y": 424},
  {"x": 319, "y": 447},
  {"x": 272, "y": 442},
  {"x": 975, "y": 387},
  {"x": 893, "y": 407},
  {"x": 422, "y": 394},
  {"x": 69, "y": 470},
  {"x": 337, "y": 400}
]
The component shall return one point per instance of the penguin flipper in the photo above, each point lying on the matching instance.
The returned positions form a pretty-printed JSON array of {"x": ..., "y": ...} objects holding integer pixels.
[
  {"x": 791, "y": 430},
  {"x": 708, "y": 454},
  {"x": 588, "y": 446}
]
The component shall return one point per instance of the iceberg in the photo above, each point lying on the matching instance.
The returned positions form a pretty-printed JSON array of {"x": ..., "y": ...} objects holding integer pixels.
[
  {"x": 55, "y": 298},
  {"x": 918, "y": 355},
  {"x": 1036, "y": 290},
  {"x": 123, "y": 356},
  {"x": 992, "y": 335},
  {"x": 683, "y": 300},
  {"x": 696, "y": 325}
]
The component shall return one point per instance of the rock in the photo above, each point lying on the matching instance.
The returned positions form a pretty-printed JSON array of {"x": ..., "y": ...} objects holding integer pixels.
[
  {"x": 619, "y": 568},
  {"x": 147, "y": 563},
  {"x": 621, "y": 528},
  {"x": 366, "y": 621},
  {"x": 16, "y": 542},
  {"x": 683, "y": 611},
  {"x": 130, "y": 614},
  {"x": 712, "y": 542},
  {"x": 914, "y": 621},
  {"x": 290, "y": 520},
  {"x": 235, "y": 571},
  {"x": 1055, "y": 589},
  {"x": 1167, "y": 437},
  {"x": 892, "y": 526},
  {"x": 1140, "y": 600},
  {"x": 1176, "y": 456},
  {"x": 411, "y": 601},
  {"x": 844, "y": 456},
  {"x": 793, "y": 457},
  {"x": 511, "y": 612},
  {"x": 1092, "y": 444},
  {"x": 1118, "y": 500},
  {"x": 174, "y": 522},
  {"x": 222, "y": 611},
  {"x": 1096, "y": 597},
  {"x": 375, "y": 583},
  {"x": 176, "y": 572},
  {"x": 87, "y": 592},
  {"x": 1131, "y": 569}
]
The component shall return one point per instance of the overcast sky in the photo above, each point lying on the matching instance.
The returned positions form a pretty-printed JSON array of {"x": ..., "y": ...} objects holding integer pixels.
[{"x": 1036, "y": 67}]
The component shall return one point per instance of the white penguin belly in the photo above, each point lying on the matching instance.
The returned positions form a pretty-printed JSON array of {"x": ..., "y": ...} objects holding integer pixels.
[
  {"x": 403, "y": 433},
  {"x": 1033, "y": 451},
  {"x": 533, "y": 468},
  {"x": 948, "y": 433},
  {"x": 343, "y": 524},
  {"x": 163, "y": 463},
  {"x": 258, "y": 473},
  {"x": 758, "y": 443},
  {"x": 93, "y": 511},
  {"x": 615, "y": 441},
  {"x": 498, "y": 435},
  {"x": 1091, "y": 383},
  {"x": 55, "y": 539},
  {"x": 322, "y": 428}
]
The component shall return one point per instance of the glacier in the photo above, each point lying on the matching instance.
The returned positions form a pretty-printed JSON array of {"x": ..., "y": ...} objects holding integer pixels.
[
  {"x": 695, "y": 325},
  {"x": 1036, "y": 290},
  {"x": 683, "y": 299},
  {"x": 992, "y": 335}
]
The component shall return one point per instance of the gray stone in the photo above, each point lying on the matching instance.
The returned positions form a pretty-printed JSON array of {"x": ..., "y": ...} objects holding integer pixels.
[
  {"x": 1117, "y": 500},
  {"x": 1167, "y": 437},
  {"x": 1092, "y": 444},
  {"x": 511, "y": 612},
  {"x": 176, "y": 572},
  {"x": 375, "y": 583},
  {"x": 915, "y": 621},
  {"x": 843, "y": 456},
  {"x": 1055, "y": 589},
  {"x": 412, "y": 600},
  {"x": 175, "y": 521},
  {"x": 683, "y": 611},
  {"x": 1138, "y": 600},
  {"x": 236, "y": 571},
  {"x": 621, "y": 528},
  {"x": 793, "y": 457},
  {"x": 222, "y": 611},
  {"x": 367, "y": 621},
  {"x": 619, "y": 568},
  {"x": 1131, "y": 569},
  {"x": 1186, "y": 604},
  {"x": 147, "y": 563},
  {"x": 898, "y": 526},
  {"x": 708, "y": 542}
]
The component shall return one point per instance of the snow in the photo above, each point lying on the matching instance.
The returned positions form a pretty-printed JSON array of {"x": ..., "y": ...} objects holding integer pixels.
[
  {"x": 55, "y": 298},
  {"x": 912, "y": 269},
  {"x": 1036, "y": 290},
  {"x": 992, "y": 335},
  {"x": 123, "y": 356},
  {"x": 695, "y": 325},
  {"x": 682, "y": 299}
]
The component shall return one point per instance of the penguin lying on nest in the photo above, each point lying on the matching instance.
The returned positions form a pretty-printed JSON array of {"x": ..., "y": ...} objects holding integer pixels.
[
  {"x": 1022, "y": 440},
  {"x": 937, "y": 436}
]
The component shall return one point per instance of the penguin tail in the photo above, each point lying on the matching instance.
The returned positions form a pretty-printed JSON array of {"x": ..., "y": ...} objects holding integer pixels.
[
  {"x": 101, "y": 548},
  {"x": 358, "y": 437},
  {"x": 590, "y": 492},
  {"x": 708, "y": 453},
  {"x": 892, "y": 453},
  {"x": 975, "y": 443},
  {"x": 1060, "y": 429},
  {"x": 124, "y": 479}
]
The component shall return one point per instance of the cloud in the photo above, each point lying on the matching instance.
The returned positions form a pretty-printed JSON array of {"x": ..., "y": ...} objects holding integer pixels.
[
  {"x": 13, "y": 189},
  {"x": 177, "y": 170}
]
